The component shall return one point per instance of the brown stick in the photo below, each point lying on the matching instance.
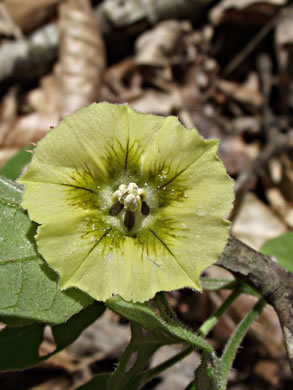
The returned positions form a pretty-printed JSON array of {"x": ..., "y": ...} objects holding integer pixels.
[{"x": 272, "y": 281}]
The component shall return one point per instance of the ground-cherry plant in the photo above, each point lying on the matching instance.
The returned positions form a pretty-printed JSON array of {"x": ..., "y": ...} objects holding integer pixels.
[{"x": 120, "y": 207}]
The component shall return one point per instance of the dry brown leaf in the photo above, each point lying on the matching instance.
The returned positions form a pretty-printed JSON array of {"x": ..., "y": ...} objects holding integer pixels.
[
  {"x": 122, "y": 82},
  {"x": 161, "y": 45},
  {"x": 270, "y": 371},
  {"x": 256, "y": 222},
  {"x": 164, "y": 46},
  {"x": 5, "y": 155},
  {"x": 284, "y": 29},
  {"x": 157, "y": 102},
  {"x": 7, "y": 25},
  {"x": 247, "y": 93},
  {"x": 58, "y": 383},
  {"x": 7, "y": 115},
  {"x": 221, "y": 9},
  {"x": 32, "y": 127},
  {"x": 76, "y": 79},
  {"x": 280, "y": 206},
  {"x": 82, "y": 56},
  {"x": 233, "y": 152},
  {"x": 30, "y": 14},
  {"x": 286, "y": 184}
]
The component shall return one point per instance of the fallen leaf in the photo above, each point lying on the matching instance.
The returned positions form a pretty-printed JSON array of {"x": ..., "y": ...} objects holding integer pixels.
[
  {"x": 256, "y": 222},
  {"x": 265, "y": 8},
  {"x": 7, "y": 26},
  {"x": 30, "y": 14},
  {"x": 82, "y": 56},
  {"x": 247, "y": 93}
]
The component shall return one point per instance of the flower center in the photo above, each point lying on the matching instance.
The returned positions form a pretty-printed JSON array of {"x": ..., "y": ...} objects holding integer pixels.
[{"x": 131, "y": 198}]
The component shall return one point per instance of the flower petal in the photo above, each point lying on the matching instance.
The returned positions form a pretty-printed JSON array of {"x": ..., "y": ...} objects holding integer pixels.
[
  {"x": 173, "y": 150},
  {"x": 95, "y": 145},
  {"x": 55, "y": 202},
  {"x": 203, "y": 187},
  {"x": 195, "y": 241},
  {"x": 134, "y": 268}
]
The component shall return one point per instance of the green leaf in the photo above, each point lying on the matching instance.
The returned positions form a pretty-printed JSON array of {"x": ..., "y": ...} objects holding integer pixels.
[
  {"x": 14, "y": 166},
  {"x": 28, "y": 287},
  {"x": 282, "y": 249},
  {"x": 146, "y": 317},
  {"x": 98, "y": 382},
  {"x": 141, "y": 347},
  {"x": 65, "y": 334},
  {"x": 19, "y": 346},
  {"x": 225, "y": 363},
  {"x": 204, "y": 376}
]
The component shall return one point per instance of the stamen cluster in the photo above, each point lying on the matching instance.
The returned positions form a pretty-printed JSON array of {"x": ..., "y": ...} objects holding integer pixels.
[{"x": 131, "y": 198}]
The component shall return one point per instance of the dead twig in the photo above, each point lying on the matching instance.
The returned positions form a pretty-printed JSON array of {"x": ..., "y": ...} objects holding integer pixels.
[
  {"x": 277, "y": 142},
  {"x": 252, "y": 44},
  {"x": 272, "y": 281}
]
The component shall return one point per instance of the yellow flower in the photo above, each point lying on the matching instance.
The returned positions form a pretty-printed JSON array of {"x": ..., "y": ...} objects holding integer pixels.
[{"x": 128, "y": 203}]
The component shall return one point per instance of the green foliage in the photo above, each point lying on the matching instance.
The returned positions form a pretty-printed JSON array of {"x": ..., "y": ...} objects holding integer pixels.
[
  {"x": 234, "y": 342},
  {"x": 19, "y": 346},
  {"x": 204, "y": 376},
  {"x": 28, "y": 287},
  {"x": 142, "y": 346},
  {"x": 29, "y": 293},
  {"x": 282, "y": 249},
  {"x": 30, "y": 298},
  {"x": 14, "y": 166},
  {"x": 98, "y": 382},
  {"x": 146, "y": 317}
]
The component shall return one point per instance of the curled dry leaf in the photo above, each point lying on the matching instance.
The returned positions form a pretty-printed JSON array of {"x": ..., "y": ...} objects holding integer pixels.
[
  {"x": 162, "y": 47},
  {"x": 32, "y": 127},
  {"x": 286, "y": 184},
  {"x": 279, "y": 204},
  {"x": 7, "y": 25},
  {"x": 117, "y": 13},
  {"x": 264, "y": 8},
  {"x": 25, "y": 59},
  {"x": 7, "y": 115},
  {"x": 30, "y": 14},
  {"x": 284, "y": 29},
  {"x": 82, "y": 56},
  {"x": 157, "y": 102},
  {"x": 256, "y": 222},
  {"x": 75, "y": 81},
  {"x": 122, "y": 82},
  {"x": 247, "y": 93}
]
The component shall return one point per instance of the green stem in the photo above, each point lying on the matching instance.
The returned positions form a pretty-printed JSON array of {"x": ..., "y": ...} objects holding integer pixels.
[
  {"x": 211, "y": 322},
  {"x": 164, "y": 307},
  {"x": 152, "y": 373},
  {"x": 235, "y": 340},
  {"x": 131, "y": 379},
  {"x": 213, "y": 284}
]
